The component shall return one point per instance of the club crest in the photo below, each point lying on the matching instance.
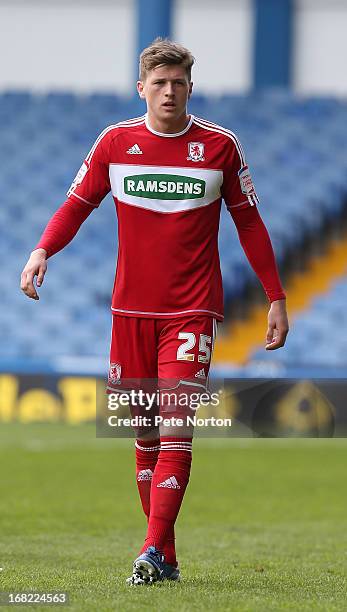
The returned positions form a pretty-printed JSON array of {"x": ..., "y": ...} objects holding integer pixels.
[
  {"x": 196, "y": 151},
  {"x": 114, "y": 374}
]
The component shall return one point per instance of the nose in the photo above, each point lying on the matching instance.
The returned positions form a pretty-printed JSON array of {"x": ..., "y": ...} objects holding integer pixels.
[{"x": 169, "y": 90}]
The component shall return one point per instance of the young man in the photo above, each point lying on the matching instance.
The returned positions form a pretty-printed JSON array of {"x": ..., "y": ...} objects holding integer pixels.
[{"x": 168, "y": 172}]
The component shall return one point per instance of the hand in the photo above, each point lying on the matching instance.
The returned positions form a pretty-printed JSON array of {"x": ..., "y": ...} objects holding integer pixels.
[
  {"x": 277, "y": 325},
  {"x": 35, "y": 266}
]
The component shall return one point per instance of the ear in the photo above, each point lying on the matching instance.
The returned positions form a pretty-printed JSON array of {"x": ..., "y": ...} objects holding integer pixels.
[
  {"x": 190, "y": 89},
  {"x": 140, "y": 90}
]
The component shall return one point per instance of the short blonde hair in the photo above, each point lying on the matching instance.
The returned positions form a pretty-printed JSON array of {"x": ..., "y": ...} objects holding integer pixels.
[{"x": 164, "y": 52}]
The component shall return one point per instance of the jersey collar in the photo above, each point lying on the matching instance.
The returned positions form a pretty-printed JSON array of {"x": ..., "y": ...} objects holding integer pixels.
[{"x": 169, "y": 135}]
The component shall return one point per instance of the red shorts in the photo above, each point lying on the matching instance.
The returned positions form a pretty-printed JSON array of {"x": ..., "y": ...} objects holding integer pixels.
[{"x": 160, "y": 349}]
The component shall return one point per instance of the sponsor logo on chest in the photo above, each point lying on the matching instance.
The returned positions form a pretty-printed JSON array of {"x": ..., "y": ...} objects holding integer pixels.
[
  {"x": 165, "y": 189},
  {"x": 164, "y": 186}
]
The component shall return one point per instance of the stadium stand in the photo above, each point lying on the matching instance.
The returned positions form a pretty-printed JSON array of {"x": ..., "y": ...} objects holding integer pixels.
[
  {"x": 317, "y": 338},
  {"x": 295, "y": 147}
]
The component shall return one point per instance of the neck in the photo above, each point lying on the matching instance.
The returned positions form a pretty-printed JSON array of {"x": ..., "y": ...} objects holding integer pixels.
[{"x": 169, "y": 126}]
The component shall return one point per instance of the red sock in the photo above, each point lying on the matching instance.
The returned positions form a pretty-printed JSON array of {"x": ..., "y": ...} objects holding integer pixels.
[
  {"x": 169, "y": 548},
  {"x": 169, "y": 482},
  {"x": 147, "y": 452}
]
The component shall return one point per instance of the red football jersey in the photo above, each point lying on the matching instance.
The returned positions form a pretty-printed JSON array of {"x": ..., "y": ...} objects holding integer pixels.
[{"x": 168, "y": 190}]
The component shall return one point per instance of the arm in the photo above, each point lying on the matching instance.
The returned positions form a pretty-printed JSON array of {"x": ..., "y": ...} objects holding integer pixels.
[
  {"x": 256, "y": 243},
  {"x": 60, "y": 230}
]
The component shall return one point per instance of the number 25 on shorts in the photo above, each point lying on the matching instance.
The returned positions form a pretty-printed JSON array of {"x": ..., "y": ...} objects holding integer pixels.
[{"x": 190, "y": 341}]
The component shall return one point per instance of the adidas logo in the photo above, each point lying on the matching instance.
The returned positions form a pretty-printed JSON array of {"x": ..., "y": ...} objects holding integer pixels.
[
  {"x": 134, "y": 150},
  {"x": 169, "y": 483},
  {"x": 201, "y": 373},
  {"x": 144, "y": 475}
]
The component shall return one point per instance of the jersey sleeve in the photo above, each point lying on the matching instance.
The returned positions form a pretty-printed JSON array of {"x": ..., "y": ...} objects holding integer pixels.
[
  {"x": 256, "y": 243},
  {"x": 238, "y": 188},
  {"x": 63, "y": 226},
  {"x": 92, "y": 182}
]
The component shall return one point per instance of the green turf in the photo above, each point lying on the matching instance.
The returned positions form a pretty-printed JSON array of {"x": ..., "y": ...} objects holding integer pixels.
[{"x": 263, "y": 525}]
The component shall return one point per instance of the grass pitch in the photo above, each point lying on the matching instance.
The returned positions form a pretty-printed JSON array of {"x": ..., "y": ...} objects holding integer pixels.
[{"x": 263, "y": 525}]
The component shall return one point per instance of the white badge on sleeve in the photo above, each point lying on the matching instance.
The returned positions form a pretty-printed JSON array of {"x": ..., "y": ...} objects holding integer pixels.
[{"x": 246, "y": 182}]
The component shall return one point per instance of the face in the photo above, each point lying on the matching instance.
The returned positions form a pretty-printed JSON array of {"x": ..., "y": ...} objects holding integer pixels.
[{"x": 166, "y": 90}]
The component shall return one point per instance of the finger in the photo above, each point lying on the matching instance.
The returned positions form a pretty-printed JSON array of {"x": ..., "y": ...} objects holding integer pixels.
[
  {"x": 270, "y": 334},
  {"x": 40, "y": 276},
  {"x": 28, "y": 286},
  {"x": 277, "y": 342},
  {"x": 22, "y": 280}
]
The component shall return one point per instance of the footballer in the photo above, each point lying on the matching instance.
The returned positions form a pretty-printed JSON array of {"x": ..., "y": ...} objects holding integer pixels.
[{"x": 168, "y": 172}]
